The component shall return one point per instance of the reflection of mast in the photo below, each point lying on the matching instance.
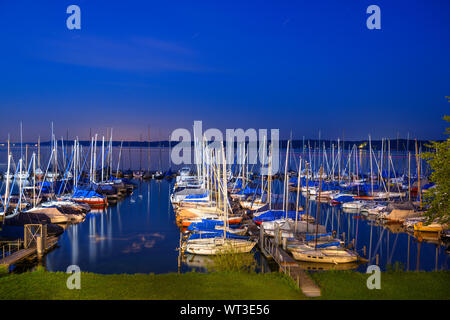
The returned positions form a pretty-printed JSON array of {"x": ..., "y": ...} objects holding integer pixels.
[
  {"x": 387, "y": 246},
  {"x": 407, "y": 260},
  {"x": 436, "y": 258},
  {"x": 418, "y": 254}
]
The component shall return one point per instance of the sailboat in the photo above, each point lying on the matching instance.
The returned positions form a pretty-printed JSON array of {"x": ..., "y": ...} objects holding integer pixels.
[
  {"x": 323, "y": 253},
  {"x": 222, "y": 241},
  {"x": 328, "y": 251}
]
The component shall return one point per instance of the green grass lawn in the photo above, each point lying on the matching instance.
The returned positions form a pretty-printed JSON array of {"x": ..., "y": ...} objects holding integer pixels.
[
  {"x": 197, "y": 286},
  {"x": 394, "y": 285},
  {"x": 224, "y": 285}
]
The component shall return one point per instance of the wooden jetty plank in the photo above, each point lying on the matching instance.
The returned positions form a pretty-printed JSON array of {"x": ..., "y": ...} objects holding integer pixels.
[
  {"x": 17, "y": 256},
  {"x": 25, "y": 253},
  {"x": 307, "y": 284},
  {"x": 287, "y": 263}
]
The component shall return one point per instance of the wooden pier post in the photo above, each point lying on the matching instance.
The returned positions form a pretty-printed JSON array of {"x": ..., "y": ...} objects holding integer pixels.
[
  {"x": 343, "y": 237},
  {"x": 40, "y": 245},
  {"x": 364, "y": 251},
  {"x": 25, "y": 237},
  {"x": 377, "y": 259}
]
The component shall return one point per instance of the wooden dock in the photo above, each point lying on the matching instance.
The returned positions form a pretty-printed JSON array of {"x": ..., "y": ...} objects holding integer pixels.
[
  {"x": 24, "y": 253},
  {"x": 287, "y": 264},
  {"x": 35, "y": 242}
]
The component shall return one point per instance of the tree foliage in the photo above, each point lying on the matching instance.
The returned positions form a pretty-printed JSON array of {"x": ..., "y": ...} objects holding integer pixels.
[{"x": 438, "y": 198}]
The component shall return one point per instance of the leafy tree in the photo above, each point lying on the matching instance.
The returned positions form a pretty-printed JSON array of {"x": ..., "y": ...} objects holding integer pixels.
[{"x": 438, "y": 198}]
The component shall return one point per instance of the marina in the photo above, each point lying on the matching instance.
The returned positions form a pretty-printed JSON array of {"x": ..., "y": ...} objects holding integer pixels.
[{"x": 140, "y": 233}]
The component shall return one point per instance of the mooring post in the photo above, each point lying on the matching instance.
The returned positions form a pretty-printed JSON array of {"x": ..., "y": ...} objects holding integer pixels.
[
  {"x": 343, "y": 237},
  {"x": 364, "y": 251},
  {"x": 39, "y": 245},
  {"x": 25, "y": 236},
  {"x": 377, "y": 259}
]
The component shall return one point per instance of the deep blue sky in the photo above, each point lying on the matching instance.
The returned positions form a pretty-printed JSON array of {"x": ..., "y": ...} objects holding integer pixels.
[{"x": 303, "y": 66}]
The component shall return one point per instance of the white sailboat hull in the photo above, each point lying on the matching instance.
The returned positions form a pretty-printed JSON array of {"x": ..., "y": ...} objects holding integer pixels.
[{"x": 220, "y": 246}]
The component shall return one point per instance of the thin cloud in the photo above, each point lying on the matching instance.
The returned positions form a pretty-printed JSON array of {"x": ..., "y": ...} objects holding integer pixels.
[{"x": 141, "y": 54}]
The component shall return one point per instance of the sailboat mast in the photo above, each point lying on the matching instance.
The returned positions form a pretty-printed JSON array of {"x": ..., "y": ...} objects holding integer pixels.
[
  {"x": 262, "y": 166},
  {"x": 389, "y": 169},
  {"x": 339, "y": 161},
  {"x": 298, "y": 194},
  {"x": 225, "y": 196},
  {"x": 7, "y": 181},
  {"x": 318, "y": 206},
  {"x": 120, "y": 155},
  {"x": 409, "y": 176},
  {"x": 103, "y": 156},
  {"x": 307, "y": 197},
  {"x": 39, "y": 152},
  {"x": 269, "y": 186},
  {"x": 371, "y": 168},
  {"x": 285, "y": 192},
  {"x": 418, "y": 177},
  {"x": 34, "y": 180}
]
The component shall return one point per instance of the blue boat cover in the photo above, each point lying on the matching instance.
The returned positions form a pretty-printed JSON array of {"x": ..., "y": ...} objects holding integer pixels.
[
  {"x": 272, "y": 215},
  {"x": 215, "y": 234},
  {"x": 313, "y": 236},
  {"x": 329, "y": 244}
]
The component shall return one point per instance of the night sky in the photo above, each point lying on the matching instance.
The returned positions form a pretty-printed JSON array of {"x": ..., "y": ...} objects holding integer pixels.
[{"x": 303, "y": 66}]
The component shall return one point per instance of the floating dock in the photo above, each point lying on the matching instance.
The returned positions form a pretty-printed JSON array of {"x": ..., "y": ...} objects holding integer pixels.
[{"x": 287, "y": 264}]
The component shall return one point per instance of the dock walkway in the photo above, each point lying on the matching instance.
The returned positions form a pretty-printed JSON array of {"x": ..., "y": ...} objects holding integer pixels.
[
  {"x": 21, "y": 254},
  {"x": 286, "y": 263}
]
